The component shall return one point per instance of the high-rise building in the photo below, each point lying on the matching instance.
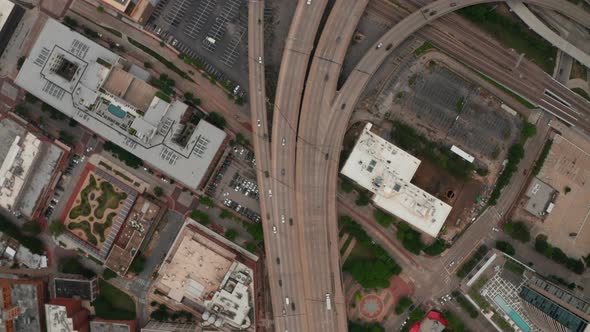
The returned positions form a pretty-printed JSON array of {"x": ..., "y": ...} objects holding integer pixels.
[{"x": 554, "y": 309}]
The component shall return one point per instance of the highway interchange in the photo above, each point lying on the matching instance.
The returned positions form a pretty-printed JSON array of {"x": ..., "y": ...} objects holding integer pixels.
[{"x": 298, "y": 167}]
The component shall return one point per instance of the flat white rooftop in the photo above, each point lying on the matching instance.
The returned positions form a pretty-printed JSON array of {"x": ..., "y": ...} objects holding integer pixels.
[
  {"x": 6, "y": 8},
  {"x": 386, "y": 171},
  {"x": 69, "y": 72}
]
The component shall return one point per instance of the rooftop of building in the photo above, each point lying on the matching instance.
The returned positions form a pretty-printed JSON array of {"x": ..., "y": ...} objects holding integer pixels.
[
  {"x": 540, "y": 196},
  {"x": 135, "y": 229},
  {"x": 201, "y": 269},
  {"x": 86, "y": 82},
  {"x": 6, "y": 8},
  {"x": 386, "y": 170},
  {"x": 103, "y": 325},
  {"x": 75, "y": 286},
  {"x": 25, "y": 309},
  {"x": 27, "y": 164}
]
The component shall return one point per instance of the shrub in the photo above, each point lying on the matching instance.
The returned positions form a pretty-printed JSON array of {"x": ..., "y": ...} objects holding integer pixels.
[
  {"x": 216, "y": 119},
  {"x": 539, "y": 162},
  {"x": 30, "y": 242},
  {"x": 515, "y": 154},
  {"x": 470, "y": 264},
  {"x": 224, "y": 214},
  {"x": 72, "y": 265},
  {"x": 557, "y": 255},
  {"x": 125, "y": 156}
]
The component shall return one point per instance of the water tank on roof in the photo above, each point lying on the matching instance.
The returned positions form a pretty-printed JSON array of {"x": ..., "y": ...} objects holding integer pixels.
[
  {"x": 206, "y": 315},
  {"x": 218, "y": 322}
]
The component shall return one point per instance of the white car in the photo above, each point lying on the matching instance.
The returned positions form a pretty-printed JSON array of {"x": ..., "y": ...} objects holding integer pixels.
[
  {"x": 260, "y": 60},
  {"x": 274, "y": 229},
  {"x": 309, "y": 2},
  {"x": 283, "y": 141},
  {"x": 270, "y": 193},
  {"x": 258, "y": 123},
  {"x": 283, "y": 218},
  {"x": 379, "y": 45}
]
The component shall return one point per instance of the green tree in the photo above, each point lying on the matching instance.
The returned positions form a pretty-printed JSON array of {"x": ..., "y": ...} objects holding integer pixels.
[
  {"x": 100, "y": 9},
  {"x": 216, "y": 119},
  {"x": 148, "y": 65},
  {"x": 138, "y": 264},
  {"x": 57, "y": 228},
  {"x": 528, "y": 130},
  {"x": 369, "y": 273},
  {"x": 32, "y": 227},
  {"x": 108, "y": 274},
  {"x": 505, "y": 247},
  {"x": 409, "y": 238},
  {"x": 518, "y": 231},
  {"x": 224, "y": 214},
  {"x": 206, "y": 200},
  {"x": 200, "y": 217},
  {"x": 158, "y": 191},
  {"x": 363, "y": 198},
  {"x": 346, "y": 185},
  {"x": 436, "y": 248},
  {"x": 384, "y": 219},
  {"x": 403, "y": 304},
  {"x": 231, "y": 234}
]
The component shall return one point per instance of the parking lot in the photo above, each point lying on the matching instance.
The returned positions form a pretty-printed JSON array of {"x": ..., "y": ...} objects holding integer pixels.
[
  {"x": 212, "y": 31},
  {"x": 450, "y": 109},
  {"x": 234, "y": 184}
]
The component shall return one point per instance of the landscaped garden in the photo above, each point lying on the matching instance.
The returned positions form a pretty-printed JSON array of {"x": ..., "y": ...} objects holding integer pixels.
[{"x": 94, "y": 209}]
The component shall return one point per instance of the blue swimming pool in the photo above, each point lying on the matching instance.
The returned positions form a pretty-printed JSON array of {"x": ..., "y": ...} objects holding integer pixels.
[
  {"x": 512, "y": 314},
  {"x": 117, "y": 111}
]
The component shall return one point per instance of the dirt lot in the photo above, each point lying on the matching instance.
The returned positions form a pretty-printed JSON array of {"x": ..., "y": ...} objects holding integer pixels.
[
  {"x": 566, "y": 166},
  {"x": 460, "y": 195}
]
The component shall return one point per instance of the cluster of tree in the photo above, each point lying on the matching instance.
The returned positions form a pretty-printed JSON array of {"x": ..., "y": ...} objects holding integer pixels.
[
  {"x": 30, "y": 242},
  {"x": 384, "y": 219},
  {"x": 125, "y": 156},
  {"x": 206, "y": 200},
  {"x": 512, "y": 33},
  {"x": 560, "y": 280},
  {"x": 505, "y": 247},
  {"x": 364, "y": 198},
  {"x": 112, "y": 303},
  {"x": 557, "y": 255},
  {"x": 346, "y": 184},
  {"x": 410, "y": 140},
  {"x": 217, "y": 120},
  {"x": 201, "y": 217},
  {"x": 138, "y": 264},
  {"x": 454, "y": 323},
  {"x": 190, "y": 99},
  {"x": 163, "y": 314},
  {"x": 369, "y": 273},
  {"x": 409, "y": 238},
  {"x": 57, "y": 228},
  {"x": 465, "y": 304},
  {"x": 515, "y": 154},
  {"x": 165, "y": 84},
  {"x": 160, "y": 58},
  {"x": 518, "y": 231},
  {"x": 108, "y": 274},
  {"x": 72, "y": 265},
  {"x": 470, "y": 264},
  {"x": 364, "y": 327},
  {"x": 541, "y": 160},
  {"x": 402, "y": 305}
]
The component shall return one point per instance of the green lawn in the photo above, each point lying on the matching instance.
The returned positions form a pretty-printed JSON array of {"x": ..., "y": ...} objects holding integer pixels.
[
  {"x": 84, "y": 209},
  {"x": 109, "y": 199},
  {"x": 112, "y": 303},
  {"x": 99, "y": 228},
  {"x": 84, "y": 226}
]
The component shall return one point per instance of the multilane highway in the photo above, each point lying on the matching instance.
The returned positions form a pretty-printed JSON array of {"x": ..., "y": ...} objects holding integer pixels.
[{"x": 318, "y": 149}]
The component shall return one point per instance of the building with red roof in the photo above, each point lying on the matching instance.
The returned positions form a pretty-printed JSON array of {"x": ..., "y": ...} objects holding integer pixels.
[{"x": 433, "y": 322}]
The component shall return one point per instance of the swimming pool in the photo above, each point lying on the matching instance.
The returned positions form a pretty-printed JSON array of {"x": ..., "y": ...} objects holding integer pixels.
[
  {"x": 117, "y": 111},
  {"x": 512, "y": 314}
]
